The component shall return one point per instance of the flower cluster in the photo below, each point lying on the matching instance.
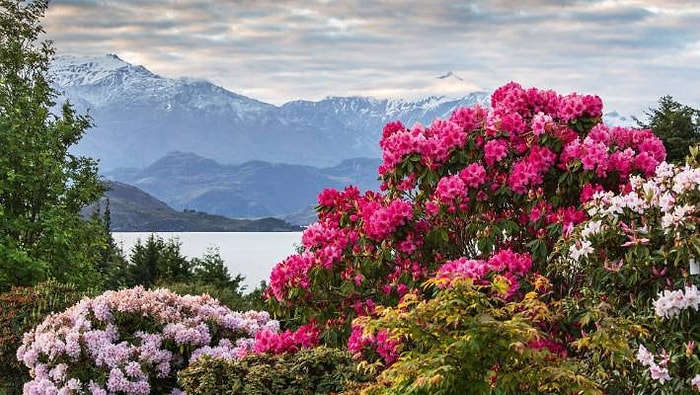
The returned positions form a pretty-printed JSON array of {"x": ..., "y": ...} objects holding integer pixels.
[
  {"x": 667, "y": 201},
  {"x": 133, "y": 341},
  {"x": 670, "y": 303},
  {"x": 506, "y": 264},
  {"x": 381, "y": 343},
  {"x": 306, "y": 336},
  {"x": 658, "y": 372},
  {"x": 432, "y": 144}
]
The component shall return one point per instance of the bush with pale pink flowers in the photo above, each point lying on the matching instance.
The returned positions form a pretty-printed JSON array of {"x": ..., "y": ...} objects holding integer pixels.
[{"x": 134, "y": 342}]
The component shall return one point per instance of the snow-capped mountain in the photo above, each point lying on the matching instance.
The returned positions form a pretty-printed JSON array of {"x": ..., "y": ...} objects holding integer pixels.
[{"x": 140, "y": 116}]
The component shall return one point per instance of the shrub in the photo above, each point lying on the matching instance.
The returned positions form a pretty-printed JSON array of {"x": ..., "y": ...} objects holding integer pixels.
[
  {"x": 467, "y": 339},
  {"x": 483, "y": 195},
  {"x": 319, "y": 370},
  {"x": 22, "y": 309},
  {"x": 637, "y": 254},
  {"x": 512, "y": 177},
  {"x": 133, "y": 341}
]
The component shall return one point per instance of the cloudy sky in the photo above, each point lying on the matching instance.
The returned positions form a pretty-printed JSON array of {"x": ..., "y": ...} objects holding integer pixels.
[{"x": 628, "y": 52}]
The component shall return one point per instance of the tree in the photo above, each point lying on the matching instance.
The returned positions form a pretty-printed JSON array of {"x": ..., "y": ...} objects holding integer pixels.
[
  {"x": 43, "y": 186},
  {"x": 157, "y": 261},
  {"x": 676, "y": 124},
  {"x": 112, "y": 263},
  {"x": 211, "y": 269}
]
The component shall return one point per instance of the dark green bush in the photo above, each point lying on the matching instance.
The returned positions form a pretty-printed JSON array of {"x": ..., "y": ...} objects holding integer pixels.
[
  {"x": 21, "y": 309},
  {"x": 320, "y": 370}
]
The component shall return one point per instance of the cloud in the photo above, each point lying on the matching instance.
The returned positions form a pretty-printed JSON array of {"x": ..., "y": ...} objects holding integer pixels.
[{"x": 630, "y": 52}]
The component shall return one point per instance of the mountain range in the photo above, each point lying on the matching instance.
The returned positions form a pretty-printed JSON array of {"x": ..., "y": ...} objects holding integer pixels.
[
  {"x": 187, "y": 181},
  {"x": 139, "y": 117},
  {"x": 197, "y": 146}
]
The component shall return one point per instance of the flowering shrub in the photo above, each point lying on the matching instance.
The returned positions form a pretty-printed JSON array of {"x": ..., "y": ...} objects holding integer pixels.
[
  {"x": 22, "y": 308},
  {"x": 509, "y": 178},
  {"x": 133, "y": 341},
  {"x": 638, "y": 251}
]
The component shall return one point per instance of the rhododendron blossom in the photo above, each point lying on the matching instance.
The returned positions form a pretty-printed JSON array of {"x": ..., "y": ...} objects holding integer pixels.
[
  {"x": 506, "y": 263},
  {"x": 483, "y": 194},
  {"x": 670, "y": 303},
  {"x": 108, "y": 337}
]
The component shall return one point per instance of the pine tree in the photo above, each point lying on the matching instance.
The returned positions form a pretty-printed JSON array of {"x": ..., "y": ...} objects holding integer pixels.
[{"x": 676, "y": 124}]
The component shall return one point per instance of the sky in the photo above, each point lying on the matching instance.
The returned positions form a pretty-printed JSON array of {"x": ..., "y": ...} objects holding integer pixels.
[{"x": 630, "y": 53}]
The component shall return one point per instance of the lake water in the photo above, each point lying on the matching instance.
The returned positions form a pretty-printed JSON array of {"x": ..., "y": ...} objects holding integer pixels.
[{"x": 252, "y": 254}]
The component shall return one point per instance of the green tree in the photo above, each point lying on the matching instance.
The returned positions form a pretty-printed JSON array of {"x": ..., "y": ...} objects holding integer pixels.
[
  {"x": 158, "y": 261},
  {"x": 43, "y": 186},
  {"x": 112, "y": 262},
  {"x": 676, "y": 124},
  {"x": 211, "y": 269}
]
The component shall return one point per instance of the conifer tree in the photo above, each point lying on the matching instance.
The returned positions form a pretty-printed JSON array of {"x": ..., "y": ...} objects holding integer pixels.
[{"x": 676, "y": 124}]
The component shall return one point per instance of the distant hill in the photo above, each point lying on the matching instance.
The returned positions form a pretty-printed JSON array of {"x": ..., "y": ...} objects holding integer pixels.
[
  {"x": 133, "y": 210},
  {"x": 186, "y": 181}
]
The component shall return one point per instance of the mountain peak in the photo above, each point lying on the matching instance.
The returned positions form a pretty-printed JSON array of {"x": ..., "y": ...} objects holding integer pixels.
[
  {"x": 74, "y": 70},
  {"x": 450, "y": 75}
]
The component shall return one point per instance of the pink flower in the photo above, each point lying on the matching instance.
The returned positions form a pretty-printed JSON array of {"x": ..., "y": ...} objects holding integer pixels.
[
  {"x": 450, "y": 188},
  {"x": 540, "y": 122},
  {"x": 494, "y": 151},
  {"x": 473, "y": 175}
]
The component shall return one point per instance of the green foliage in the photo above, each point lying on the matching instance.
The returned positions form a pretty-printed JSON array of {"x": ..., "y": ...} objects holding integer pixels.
[
  {"x": 465, "y": 340},
  {"x": 676, "y": 124},
  {"x": 43, "y": 186},
  {"x": 210, "y": 269},
  {"x": 318, "y": 370},
  {"x": 157, "y": 261},
  {"x": 22, "y": 309},
  {"x": 112, "y": 263}
]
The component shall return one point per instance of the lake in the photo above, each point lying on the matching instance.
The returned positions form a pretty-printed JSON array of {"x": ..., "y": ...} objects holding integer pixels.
[{"x": 252, "y": 254}]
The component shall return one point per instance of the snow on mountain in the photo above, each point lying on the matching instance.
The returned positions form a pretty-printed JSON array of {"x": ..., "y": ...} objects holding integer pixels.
[
  {"x": 108, "y": 80},
  {"x": 141, "y": 116}
]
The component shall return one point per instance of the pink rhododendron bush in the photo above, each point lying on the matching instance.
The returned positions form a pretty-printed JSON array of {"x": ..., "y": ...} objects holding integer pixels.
[
  {"x": 134, "y": 342},
  {"x": 511, "y": 202}
]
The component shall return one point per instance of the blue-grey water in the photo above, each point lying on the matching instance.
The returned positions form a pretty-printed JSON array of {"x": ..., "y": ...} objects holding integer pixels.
[{"x": 252, "y": 254}]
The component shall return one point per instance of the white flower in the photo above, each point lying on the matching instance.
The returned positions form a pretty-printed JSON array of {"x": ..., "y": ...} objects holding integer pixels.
[
  {"x": 692, "y": 297},
  {"x": 651, "y": 192},
  {"x": 592, "y": 228},
  {"x": 580, "y": 250},
  {"x": 695, "y": 382},
  {"x": 644, "y": 356},
  {"x": 666, "y": 202},
  {"x": 636, "y": 181},
  {"x": 665, "y": 170},
  {"x": 669, "y": 303},
  {"x": 659, "y": 373},
  {"x": 676, "y": 217},
  {"x": 686, "y": 180}
]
